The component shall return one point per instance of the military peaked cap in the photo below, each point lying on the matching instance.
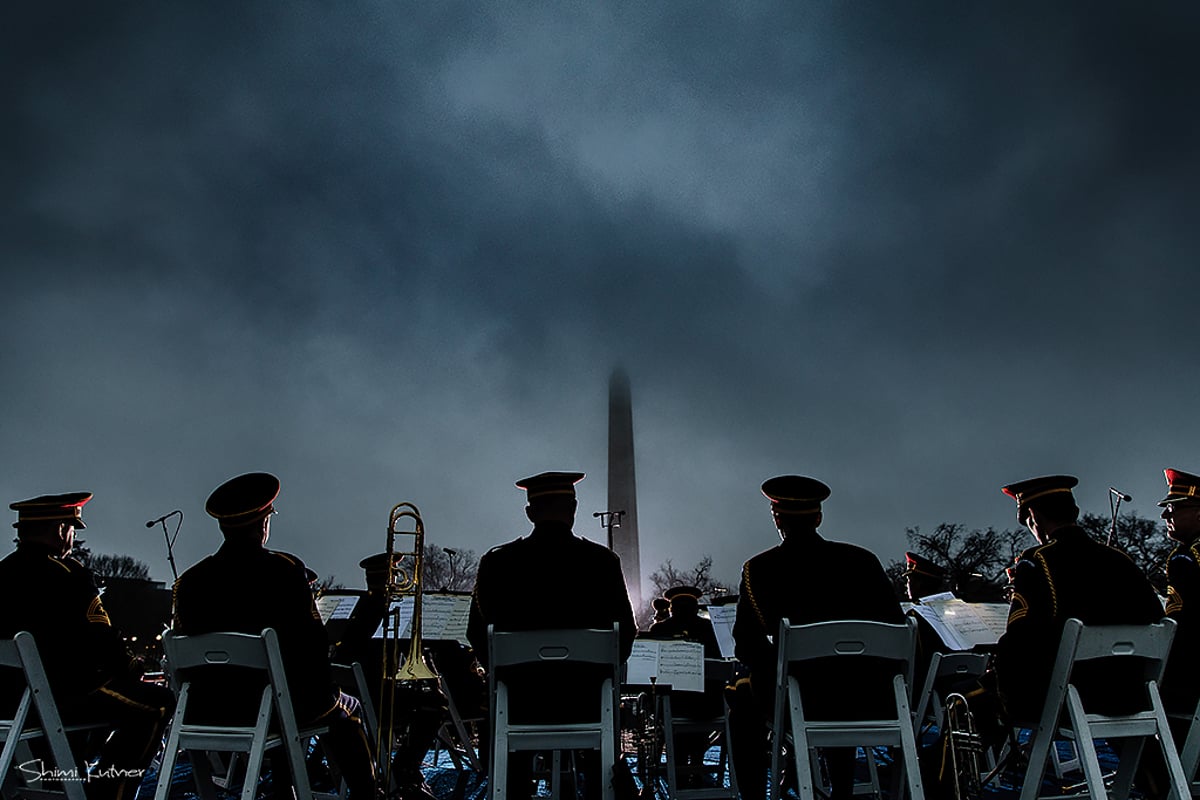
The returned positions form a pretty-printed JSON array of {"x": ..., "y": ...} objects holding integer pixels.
[
  {"x": 1034, "y": 489},
  {"x": 923, "y": 566},
  {"x": 682, "y": 591},
  {"x": 1180, "y": 486},
  {"x": 52, "y": 507},
  {"x": 244, "y": 499},
  {"x": 795, "y": 494},
  {"x": 550, "y": 483}
]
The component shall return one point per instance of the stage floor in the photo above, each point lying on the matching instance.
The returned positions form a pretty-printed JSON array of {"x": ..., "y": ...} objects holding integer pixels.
[{"x": 449, "y": 783}]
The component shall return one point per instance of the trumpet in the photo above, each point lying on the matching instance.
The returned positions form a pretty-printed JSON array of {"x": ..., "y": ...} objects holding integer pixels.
[{"x": 403, "y": 579}]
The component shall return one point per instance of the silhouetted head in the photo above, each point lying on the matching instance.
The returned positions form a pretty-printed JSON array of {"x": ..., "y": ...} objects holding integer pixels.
[
  {"x": 924, "y": 577},
  {"x": 243, "y": 506},
  {"x": 1045, "y": 504},
  {"x": 550, "y": 497},
  {"x": 50, "y": 520},
  {"x": 684, "y": 600},
  {"x": 795, "y": 503},
  {"x": 1181, "y": 506}
]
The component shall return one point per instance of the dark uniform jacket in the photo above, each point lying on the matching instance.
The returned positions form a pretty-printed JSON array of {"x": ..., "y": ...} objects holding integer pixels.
[
  {"x": 1071, "y": 576},
  {"x": 56, "y": 600},
  {"x": 811, "y": 579},
  {"x": 243, "y": 588},
  {"x": 546, "y": 580},
  {"x": 1181, "y": 685}
]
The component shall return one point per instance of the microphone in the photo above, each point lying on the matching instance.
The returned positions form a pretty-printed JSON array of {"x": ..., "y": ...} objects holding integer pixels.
[
  {"x": 164, "y": 517},
  {"x": 1124, "y": 497}
]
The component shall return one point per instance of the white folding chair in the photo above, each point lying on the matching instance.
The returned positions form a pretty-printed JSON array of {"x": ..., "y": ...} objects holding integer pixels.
[
  {"x": 843, "y": 640},
  {"x": 21, "y": 653},
  {"x": 1063, "y": 715},
  {"x": 716, "y": 671},
  {"x": 509, "y": 650},
  {"x": 259, "y": 652},
  {"x": 1189, "y": 754}
]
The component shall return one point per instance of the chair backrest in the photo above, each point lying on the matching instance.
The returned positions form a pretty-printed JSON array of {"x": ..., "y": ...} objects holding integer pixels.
[
  {"x": 580, "y": 646},
  {"x": 513, "y": 649},
  {"x": 847, "y": 639},
  {"x": 1149, "y": 642},
  {"x": 1081, "y": 643},
  {"x": 244, "y": 650},
  {"x": 214, "y": 649}
]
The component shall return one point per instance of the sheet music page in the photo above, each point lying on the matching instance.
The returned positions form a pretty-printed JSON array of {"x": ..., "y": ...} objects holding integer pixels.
[
  {"x": 335, "y": 606},
  {"x": 681, "y": 664},
  {"x": 404, "y": 604},
  {"x": 642, "y": 663},
  {"x": 976, "y": 623},
  {"x": 677, "y": 664},
  {"x": 964, "y": 625},
  {"x": 443, "y": 616},
  {"x": 946, "y": 633},
  {"x": 722, "y": 618}
]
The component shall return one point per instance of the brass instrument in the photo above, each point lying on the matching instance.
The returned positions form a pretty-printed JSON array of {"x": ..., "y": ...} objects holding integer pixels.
[
  {"x": 963, "y": 749},
  {"x": 403, "y": 579}
]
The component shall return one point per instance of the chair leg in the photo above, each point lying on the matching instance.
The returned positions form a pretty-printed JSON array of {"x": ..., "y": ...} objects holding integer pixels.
[
  {"x": 498, "y": 773},
  {"x": 908, "y": 742},
  {"x": 1039, "y": 750},
  {"x": 1084, "y": 745}
]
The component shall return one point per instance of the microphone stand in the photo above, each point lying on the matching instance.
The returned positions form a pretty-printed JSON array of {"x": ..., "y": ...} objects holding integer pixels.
[
  {"x": 1114, "y": 507},
  {"x": 171, "y": 540}
]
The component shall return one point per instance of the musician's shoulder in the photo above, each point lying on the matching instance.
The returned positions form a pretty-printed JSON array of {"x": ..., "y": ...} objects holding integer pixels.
[
  {"x": 769, "y": 556},
  {"x": 850, "y": 550},
  {"x": 285, "y": 560},
  {"x": 1031, "y": 553},
  {"x": 594, "y": 548},
  {"x": 505, "y": 548}
]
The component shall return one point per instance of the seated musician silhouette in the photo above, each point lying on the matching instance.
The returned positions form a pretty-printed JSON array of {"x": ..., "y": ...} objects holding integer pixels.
[
  {"x": 93, "y": 676},
  {"x": 520, "y": 586},
  {"x": 244, "y": 588},
  {"x": 1067, "y": 574},
  {"x": 685, "y": 622},
  {"x": 419, "y": 707},
  {"x": 805, "y": 578}
]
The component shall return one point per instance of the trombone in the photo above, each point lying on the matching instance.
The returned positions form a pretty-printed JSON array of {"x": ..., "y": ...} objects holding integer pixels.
[{"x": 403, "y": 580}]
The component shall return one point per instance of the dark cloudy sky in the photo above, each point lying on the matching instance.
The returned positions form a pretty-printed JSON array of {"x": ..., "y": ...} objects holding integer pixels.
[{"x": 392, "y": 251}]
